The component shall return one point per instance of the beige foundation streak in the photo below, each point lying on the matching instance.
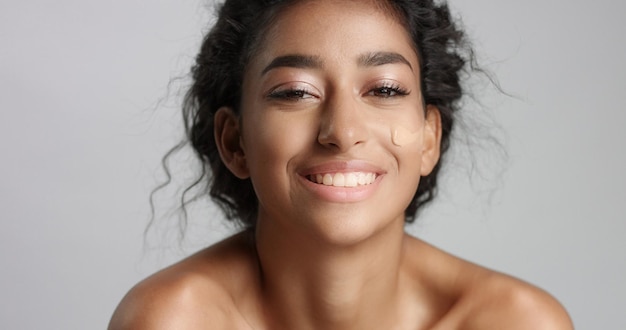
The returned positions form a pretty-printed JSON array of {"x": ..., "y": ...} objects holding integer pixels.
[{"x": 401, "y": 136}]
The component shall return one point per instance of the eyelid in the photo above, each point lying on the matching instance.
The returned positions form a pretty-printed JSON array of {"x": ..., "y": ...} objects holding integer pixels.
[
  {"x": 292, "y": 87},
  {"x": 390, "y": 84}
]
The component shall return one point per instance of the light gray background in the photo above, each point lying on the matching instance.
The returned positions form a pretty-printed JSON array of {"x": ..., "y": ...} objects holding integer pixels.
[{"x": 86, "y": 114}]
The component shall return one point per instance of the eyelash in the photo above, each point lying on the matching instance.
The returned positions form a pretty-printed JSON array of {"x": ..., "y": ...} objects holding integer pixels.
[
  {"x": 383, "y": 91},
  {"x": 294, "y": 94},
  {"x": 388, "y": 91}
]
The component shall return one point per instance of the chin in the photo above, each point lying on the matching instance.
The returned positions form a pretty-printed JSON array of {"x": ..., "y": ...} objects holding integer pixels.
[{"x": 350, "y": 228}]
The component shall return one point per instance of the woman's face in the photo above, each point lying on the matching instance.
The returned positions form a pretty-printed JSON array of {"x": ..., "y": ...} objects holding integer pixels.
[{"x": 333, "y": 129}]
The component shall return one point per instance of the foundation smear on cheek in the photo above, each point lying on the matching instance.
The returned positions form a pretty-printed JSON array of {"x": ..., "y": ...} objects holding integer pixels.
[{"x": 401, "y": 136}]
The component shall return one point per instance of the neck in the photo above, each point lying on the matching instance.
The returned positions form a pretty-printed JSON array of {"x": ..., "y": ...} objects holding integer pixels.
[{"x": 326, "y": 285}]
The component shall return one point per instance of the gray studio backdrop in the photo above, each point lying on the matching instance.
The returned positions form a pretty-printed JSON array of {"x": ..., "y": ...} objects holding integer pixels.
[{"x": 88, "y": 97}]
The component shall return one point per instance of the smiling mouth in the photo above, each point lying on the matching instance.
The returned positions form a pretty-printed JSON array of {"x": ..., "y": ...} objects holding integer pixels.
[{"x": 350, "y": 179}]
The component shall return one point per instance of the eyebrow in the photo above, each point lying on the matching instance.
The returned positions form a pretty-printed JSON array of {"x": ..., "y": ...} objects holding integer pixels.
[
  {"x": 382, "y": 58},
  {"x": 315, "y": 62},
  {"x": 294, "y": 61}
]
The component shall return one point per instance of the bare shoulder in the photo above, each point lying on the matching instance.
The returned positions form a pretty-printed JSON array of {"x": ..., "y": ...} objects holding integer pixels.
[
  {"x": 479, "y": 298},
  {"x": 498, "y": 301},
  {"x": 200, "y": 292}
]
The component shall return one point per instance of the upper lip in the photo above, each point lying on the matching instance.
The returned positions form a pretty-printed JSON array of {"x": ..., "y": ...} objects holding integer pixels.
[{"x": 345, "y": 166}]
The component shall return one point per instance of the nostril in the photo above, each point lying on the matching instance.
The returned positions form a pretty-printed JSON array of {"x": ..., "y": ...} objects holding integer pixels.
[{"x": 340, "y": 128}]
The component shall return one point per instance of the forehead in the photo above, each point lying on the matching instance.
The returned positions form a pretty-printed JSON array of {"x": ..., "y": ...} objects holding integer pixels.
[{"x": 335, "y": 29}]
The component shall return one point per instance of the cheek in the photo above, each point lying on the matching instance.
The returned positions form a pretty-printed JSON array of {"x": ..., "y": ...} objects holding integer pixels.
[
  {"x": 272, "y": 140},
  {"x": 402, "y": 133},
  {"x": 271, "y": 144},
  {"x": 401, "y": 136}
]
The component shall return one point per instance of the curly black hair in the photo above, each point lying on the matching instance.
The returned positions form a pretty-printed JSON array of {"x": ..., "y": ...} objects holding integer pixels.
[{"x": 217, "y": 75}]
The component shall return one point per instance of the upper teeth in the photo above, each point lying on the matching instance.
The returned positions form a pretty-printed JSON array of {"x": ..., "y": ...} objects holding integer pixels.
[{"x": 351, "y": 179}]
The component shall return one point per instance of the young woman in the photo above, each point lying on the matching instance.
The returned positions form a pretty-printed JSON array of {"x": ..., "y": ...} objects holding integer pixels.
[{"x": 323, "y": 124}]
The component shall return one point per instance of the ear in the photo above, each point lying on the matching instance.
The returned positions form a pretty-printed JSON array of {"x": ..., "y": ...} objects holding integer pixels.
[
  {"x": 431, "y": 149},
  {"x": 227, "y": 133}
]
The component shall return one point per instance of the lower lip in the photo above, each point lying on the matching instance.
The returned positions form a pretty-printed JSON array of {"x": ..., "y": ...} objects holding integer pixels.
[{"x": 342, "y": 194}]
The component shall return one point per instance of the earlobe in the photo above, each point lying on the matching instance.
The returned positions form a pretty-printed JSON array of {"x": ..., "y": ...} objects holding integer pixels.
[
  {"x": 227, "y": 132},
  {"x": 432, "y": 140}
]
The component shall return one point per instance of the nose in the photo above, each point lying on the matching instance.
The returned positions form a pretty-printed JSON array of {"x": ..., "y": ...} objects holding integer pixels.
[{"x": 342, "y": 124}]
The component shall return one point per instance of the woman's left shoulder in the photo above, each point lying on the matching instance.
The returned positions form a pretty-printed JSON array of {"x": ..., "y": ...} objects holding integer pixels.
[
  {"x": 485, "y": 299},
  {"x": 498, "y": 301}
]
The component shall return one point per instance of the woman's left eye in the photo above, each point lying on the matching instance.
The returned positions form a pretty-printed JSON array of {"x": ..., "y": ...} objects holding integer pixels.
[{"x": 388, "y": 91}]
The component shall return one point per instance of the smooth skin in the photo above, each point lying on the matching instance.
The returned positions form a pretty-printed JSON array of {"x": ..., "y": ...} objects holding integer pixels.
[{"x": 322, "y": 96}]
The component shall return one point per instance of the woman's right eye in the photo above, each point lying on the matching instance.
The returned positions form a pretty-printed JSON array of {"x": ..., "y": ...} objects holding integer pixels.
[{"x": 294, "y": 94}]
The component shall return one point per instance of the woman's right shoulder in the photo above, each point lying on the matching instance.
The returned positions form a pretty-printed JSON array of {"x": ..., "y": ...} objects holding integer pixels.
[{"x": 199, "y": 292}]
